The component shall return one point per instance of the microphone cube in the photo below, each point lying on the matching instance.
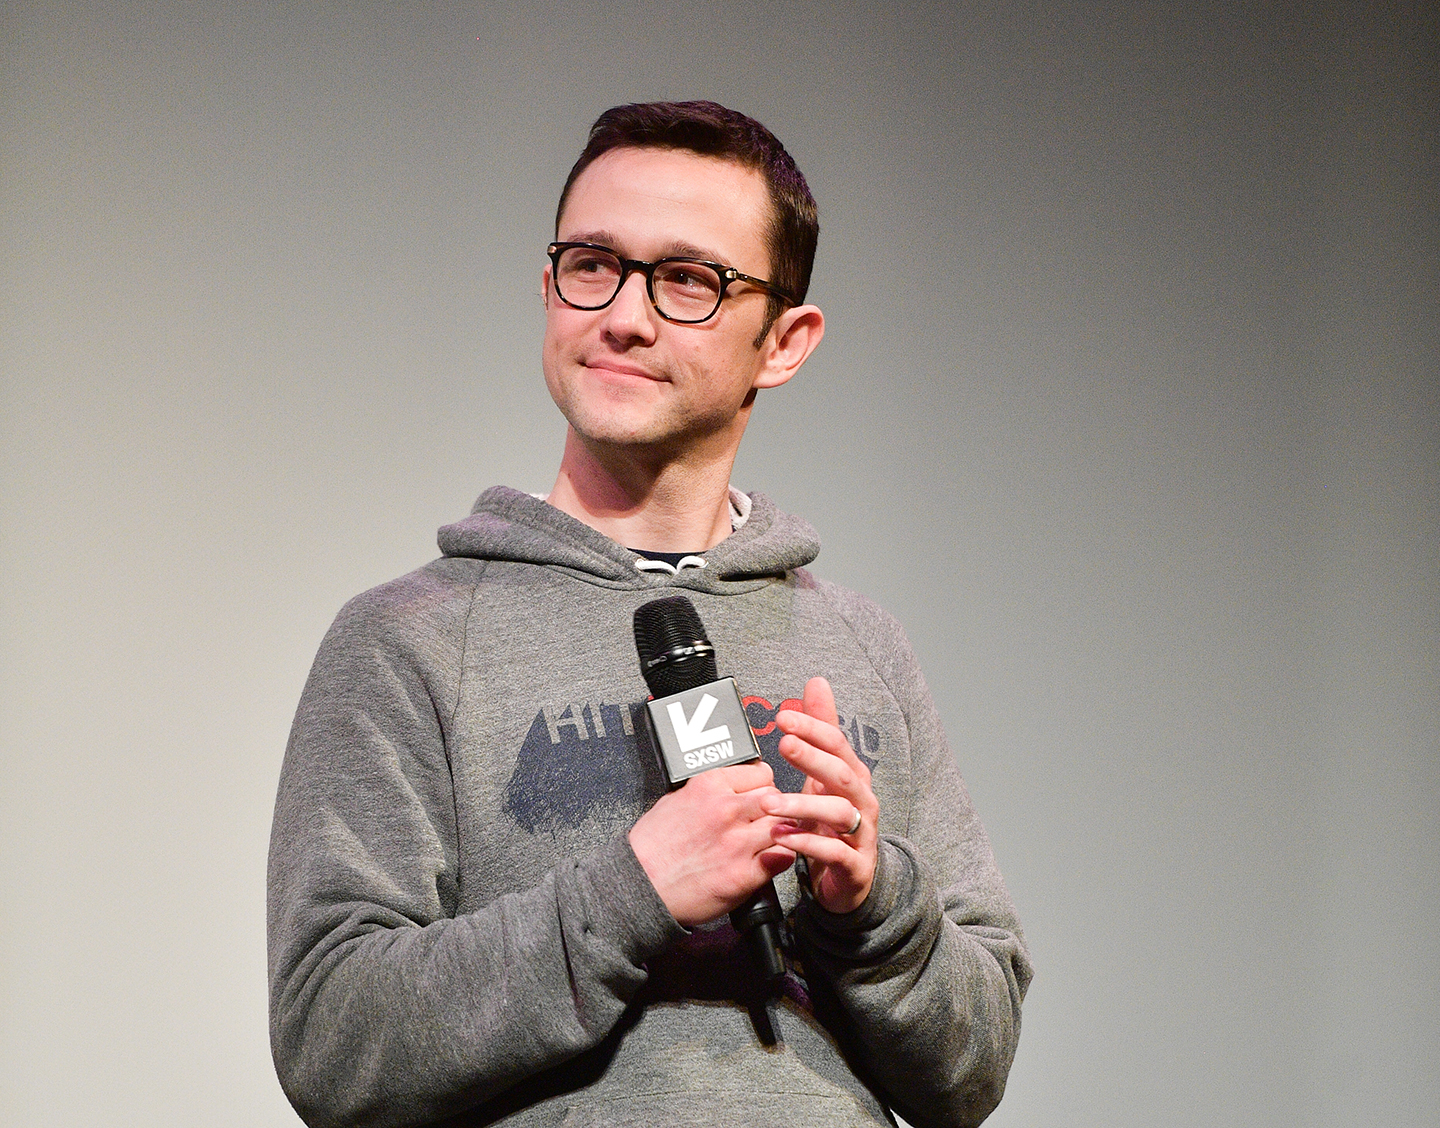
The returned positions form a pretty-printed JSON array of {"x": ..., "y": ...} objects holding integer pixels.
[{"x": 701, "y": 728}]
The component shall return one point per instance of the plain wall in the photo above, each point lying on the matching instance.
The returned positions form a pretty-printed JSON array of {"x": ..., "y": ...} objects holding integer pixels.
[{"x": 1128, "y": 408}]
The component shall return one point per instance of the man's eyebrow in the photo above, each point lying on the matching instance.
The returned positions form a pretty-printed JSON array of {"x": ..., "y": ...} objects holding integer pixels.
[
  {"x": 690, "y": 250},
  {"x": 603, "y": 237},
  {"x": 676, "y": 249}
]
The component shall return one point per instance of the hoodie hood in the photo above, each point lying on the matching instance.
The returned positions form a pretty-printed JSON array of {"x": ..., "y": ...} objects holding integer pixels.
[{"x": 506, "y": 524}]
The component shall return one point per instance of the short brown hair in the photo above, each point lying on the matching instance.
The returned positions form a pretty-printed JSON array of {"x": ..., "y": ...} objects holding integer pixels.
[{"x": 711, "y": 130}]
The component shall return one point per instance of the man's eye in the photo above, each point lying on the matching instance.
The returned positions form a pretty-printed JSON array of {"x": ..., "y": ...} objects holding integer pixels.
[
  {"x": 689, "y": 278},
  {"x": 583, "y": 265}
]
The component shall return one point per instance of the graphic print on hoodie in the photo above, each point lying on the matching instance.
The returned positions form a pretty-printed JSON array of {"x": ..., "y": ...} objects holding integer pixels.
[{"x": 583, "y": 760}]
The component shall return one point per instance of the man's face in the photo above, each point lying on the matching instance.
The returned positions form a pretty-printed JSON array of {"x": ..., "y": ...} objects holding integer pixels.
[{"x": 624, "y": 375}]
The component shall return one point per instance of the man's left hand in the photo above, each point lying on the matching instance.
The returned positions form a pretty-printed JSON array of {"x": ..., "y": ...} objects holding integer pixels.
[{"x": 818, "y": 821}]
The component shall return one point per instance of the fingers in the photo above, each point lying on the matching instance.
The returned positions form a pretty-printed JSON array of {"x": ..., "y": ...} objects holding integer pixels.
[
  {"x": 822, "y": 752},
  {"x": 733, "y": 793},
  {"x": 828, "y": 850},
  {"x": 833, "y": 812},
  {"x": 819, "y": 701},
  {"x": 817, "y": 721},
  {"x": 740, "y": 777},
  {"x": 834, "y": 820},
  {"x": 842, "y": 868},
  {"x": 742, "y": 780},
  {"x": 775, "y": 859},
  {"x": 709, "y": 844},
  {"x": 822, "y": 734},
  {"x": 814, "y": 743}
]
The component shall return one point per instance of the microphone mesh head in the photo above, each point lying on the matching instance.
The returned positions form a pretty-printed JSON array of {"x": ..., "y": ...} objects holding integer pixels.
[{"x": 674, "y": 652}]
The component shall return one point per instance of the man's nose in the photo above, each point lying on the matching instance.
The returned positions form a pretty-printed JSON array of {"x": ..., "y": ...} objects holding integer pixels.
[{"x": 631, "y": 314}]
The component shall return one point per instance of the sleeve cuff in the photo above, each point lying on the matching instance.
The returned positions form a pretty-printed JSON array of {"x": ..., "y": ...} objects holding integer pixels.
[
  {"x": 623, "y": 907},
  {"x": 883, "y": 918}
]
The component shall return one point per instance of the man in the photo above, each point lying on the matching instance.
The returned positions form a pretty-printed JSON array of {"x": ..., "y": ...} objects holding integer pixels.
[{"x": 484, "y": 904}]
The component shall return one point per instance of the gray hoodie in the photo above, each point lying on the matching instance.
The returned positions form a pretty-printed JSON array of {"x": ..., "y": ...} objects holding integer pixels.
[{"x": 459, "y": 928}]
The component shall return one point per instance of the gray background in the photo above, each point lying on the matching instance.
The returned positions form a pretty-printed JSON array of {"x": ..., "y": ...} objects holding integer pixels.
[{"x": 1127, "y": 409}]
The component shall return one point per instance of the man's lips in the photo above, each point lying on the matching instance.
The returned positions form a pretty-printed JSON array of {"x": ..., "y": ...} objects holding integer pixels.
[{"x": 620, "y": 368}]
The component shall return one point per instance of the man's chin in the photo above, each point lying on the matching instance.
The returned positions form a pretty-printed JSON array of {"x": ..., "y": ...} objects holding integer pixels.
[{"x": 639, "y": 430}]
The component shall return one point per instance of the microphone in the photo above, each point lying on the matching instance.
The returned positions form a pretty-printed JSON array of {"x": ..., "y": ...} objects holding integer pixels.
[{"x": 698, "y": 723}]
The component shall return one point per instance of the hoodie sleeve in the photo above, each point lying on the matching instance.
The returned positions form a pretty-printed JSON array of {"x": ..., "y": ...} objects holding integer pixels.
[
  {"x": 387, "y": 1008},
  {"x": 931, "y": 970}
]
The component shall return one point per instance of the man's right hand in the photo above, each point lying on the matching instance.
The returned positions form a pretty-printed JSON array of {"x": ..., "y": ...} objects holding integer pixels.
[{"x": 708, "y": 846}]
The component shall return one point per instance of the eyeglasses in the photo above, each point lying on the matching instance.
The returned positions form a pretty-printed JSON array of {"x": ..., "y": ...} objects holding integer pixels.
[{"x": 686, "y": 291}]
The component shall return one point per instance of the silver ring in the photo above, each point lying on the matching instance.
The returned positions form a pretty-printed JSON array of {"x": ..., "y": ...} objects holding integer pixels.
[{"x": 854, "y": 829}]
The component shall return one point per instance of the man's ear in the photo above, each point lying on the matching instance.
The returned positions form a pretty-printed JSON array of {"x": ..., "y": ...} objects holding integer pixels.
[
  {"x": 545, "y": 287},
  {"x": 789, "y": 344}
]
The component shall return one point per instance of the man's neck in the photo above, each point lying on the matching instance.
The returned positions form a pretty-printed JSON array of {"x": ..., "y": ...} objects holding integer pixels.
[{"x": 664, "y": 506}]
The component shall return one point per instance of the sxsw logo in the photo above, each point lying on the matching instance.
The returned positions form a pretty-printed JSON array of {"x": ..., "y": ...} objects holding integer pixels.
[
  {"x": 693, "y": 729},
  {"x": 700, "y": 745}
]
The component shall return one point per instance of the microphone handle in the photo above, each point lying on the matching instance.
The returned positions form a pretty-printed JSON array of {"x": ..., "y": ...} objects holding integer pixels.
[{"x": 759, "y": 919}]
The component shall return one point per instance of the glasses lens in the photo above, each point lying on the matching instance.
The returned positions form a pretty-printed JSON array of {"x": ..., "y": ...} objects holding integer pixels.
[
  {"x": 686, "y": 291},
  {"x": 587, "y": 278}
]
